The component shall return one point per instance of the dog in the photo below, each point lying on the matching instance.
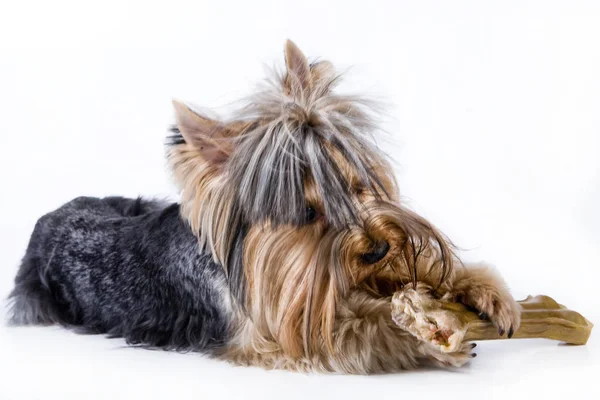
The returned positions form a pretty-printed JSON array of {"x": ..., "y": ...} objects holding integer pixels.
[{"x": 284, "y": 251}]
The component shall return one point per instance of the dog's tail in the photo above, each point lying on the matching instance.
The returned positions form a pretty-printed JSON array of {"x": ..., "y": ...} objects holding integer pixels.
[{"x": 31, "y": 302}]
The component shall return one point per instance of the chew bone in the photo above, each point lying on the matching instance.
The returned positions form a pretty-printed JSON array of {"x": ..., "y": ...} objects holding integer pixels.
[{"x": 447, "y": 324}]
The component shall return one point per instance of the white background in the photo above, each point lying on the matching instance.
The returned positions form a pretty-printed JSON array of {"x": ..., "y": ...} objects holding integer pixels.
[{"x": 494, "y": 111}]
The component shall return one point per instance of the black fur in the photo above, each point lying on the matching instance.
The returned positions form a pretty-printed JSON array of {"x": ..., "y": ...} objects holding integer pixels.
[
  {"x": 175, "y": 138},
  {"x": 125, "y": 267}
]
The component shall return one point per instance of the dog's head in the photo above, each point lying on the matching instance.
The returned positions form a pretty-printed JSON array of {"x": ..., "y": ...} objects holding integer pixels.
[{"x": 293, "y": 198}]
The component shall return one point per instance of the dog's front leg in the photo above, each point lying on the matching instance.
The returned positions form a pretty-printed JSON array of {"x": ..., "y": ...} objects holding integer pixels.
[
  {"x": 476, "y": 285},
  {"x": 367, "y": 341},
  {"x": 364, "y": 340},
  {"x": 479, "y": 286}
]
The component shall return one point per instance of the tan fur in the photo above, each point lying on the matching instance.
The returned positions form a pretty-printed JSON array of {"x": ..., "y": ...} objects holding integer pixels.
[
  {"x": 478, "y": 285},
  {"x": 311, "y": 302},
  {"x": 203, "y": 200}
]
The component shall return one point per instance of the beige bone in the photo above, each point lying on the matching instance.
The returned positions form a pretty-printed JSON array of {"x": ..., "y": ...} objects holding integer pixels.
[{"x": 448, "y": 324}]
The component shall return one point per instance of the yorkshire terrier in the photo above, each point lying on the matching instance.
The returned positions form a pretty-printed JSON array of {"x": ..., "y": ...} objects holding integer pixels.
[{"x": 284, "y": 250}]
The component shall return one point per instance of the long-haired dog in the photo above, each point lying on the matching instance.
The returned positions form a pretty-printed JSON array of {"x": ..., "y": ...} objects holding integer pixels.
[{"x": 284, "y": 251}]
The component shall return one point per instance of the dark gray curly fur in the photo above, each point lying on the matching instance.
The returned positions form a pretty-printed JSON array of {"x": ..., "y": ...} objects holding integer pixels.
[{"x": 129, "y": 268}]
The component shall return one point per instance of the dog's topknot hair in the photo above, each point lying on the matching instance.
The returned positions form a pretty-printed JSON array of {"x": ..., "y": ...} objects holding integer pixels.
[
  {"x": 295, "y": 128},
  {"x": 300, "y": 126}
]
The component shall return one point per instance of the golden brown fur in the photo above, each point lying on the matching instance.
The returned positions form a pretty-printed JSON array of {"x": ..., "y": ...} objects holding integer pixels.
[{"x": 308, "y": 295}]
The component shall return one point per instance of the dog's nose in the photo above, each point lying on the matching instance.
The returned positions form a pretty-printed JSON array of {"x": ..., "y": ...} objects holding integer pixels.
[{"x": 379, "y": 251}]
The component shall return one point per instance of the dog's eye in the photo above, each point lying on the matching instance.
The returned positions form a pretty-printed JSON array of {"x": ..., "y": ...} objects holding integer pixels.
[
  {"x": 310, "y": 214},
  {"x": 359, "y": 190}
]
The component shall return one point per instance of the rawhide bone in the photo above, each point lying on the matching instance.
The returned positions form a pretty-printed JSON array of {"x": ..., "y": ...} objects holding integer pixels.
[{"x": 447, "y": 324}]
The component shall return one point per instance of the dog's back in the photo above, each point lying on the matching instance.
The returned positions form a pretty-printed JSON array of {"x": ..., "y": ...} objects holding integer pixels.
[{"x": 126, "y": 267}]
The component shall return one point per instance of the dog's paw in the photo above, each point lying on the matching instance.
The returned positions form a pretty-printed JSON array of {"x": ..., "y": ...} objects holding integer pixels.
[
  {"x": 485, "y": 291},
  {"x": 500, "y": 308},
  {"x": 455, "y": 359}
]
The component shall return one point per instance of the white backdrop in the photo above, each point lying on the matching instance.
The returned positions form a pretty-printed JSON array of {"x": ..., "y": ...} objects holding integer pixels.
[{"x": 495, "y": 122}]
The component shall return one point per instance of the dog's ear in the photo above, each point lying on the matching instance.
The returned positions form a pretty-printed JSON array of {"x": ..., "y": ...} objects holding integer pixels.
[
  {"x": 321, "y": 71},
  {"x": 211, "y": 138},
  {"x": 303, "y": 77},
  {"x": 298, "y": 69}
]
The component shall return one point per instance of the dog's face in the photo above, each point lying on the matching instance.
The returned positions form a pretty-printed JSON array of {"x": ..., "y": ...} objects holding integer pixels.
[{"x": 293, "y": 198}]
